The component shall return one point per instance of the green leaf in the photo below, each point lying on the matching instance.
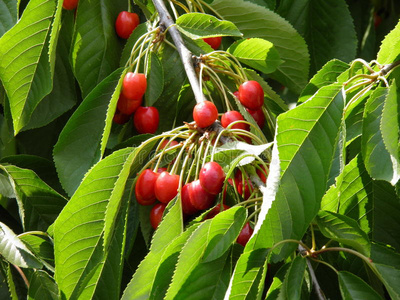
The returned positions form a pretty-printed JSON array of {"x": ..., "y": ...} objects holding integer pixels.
[
  {"x": 344, "y": 230},
  {"x": 15, "y": 251},
  {"x": 202, "y": 242},
  {"x": 8, "y": 15},
  {"x": 96, "y": 48},
  {"x": 256, "y": 21},
  {"x": 39, "y": 205},
  {"x": 42, "y": 286},
  {"x": 199, "y": 25},
  {"x": 78, "y": 230},
  {"x": 292, "y": 283},
  {"x": 140, "y": 30},
  {"x": 275, "y": 287},
  {"x": 377, "y": 158},
  {"x": 327, "y": 75},
  {"x": 257, "y": 53},
  {"x": 390, "y": 48},
  {"x": 4, "y": 292},
  {"x": 326, "y": 26},
  {"x": 25, "y": 68},
  {"x": 155, "y": 81},
  {"x": 41, "y": 247},
  {"x": 353, "y": 287},
  {"x": 76, "y": 151}
]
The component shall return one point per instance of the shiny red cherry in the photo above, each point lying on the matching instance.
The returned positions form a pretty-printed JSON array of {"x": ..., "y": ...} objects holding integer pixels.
[
  {"x": 134, "y": 85},
  {"x": 126, "y": 22},
  {"x": 212, "y": 177},
  {"x": 214, "y": 42},
  {"x": 245, "y": 234},
  {"x": 187, "y": 207},
  {"x": 146, "y": 119},
  {"x": 70, "y": 4},
  {"x": 128, "y": 106},
  {"x": 166, "y": 187},
  {"x": 262, "y": 173},
  {"x": 233, "y": 116},
  {"x": 156, "y": 214},
  {"x": 205, "y": 113},
  {"x": 216, "y": 210},
  {"x": 258, "y": 116},
  {"x": 144, "y": 188},
  {"x": 251, "y": 95},
  {"x": 199, "y": 197}
]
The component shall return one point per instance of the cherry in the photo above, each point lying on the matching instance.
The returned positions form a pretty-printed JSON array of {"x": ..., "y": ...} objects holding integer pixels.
[
  {"x": 214, "y": 42},
  {"x": 156, "y": 214},
  {"x": 212, "y": 177},
  {"x": 262, "y": 173},
  {"x": 245, "y": 234},
  {"x": 236, "y": 94},
  {"x": 128, "y": 106},
  {"x": 166, "y": 187},
  {"x": 146, "y": 119},
  {"x": 216, "y": 210},
  {"x": 120, "y": 118},
  {"x": 134, "y": 85},
  {"x": 248, "y": 189},
  {"x": 126, "y": 22},
  {"x": 199, "y": 197},
  {"x": 258, "y": 116},
  {"x": 160, "y": 170},
  {"x": 166, "y": 142},
  {"x": 187, "y": 207},
  {"x": 251, "y": 95},
  {"x": 144, "y": 189},
  {"x": 233, "y": 116},
  {"x": 70, "y": 4},
  {"x": 205, "y": 113}
]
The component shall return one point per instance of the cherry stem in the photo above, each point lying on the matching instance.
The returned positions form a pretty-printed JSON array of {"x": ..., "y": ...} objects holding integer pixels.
[{"x": 22, "y": 274}]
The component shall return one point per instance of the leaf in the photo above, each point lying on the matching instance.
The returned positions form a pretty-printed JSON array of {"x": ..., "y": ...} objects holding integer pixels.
[
  {"x": 139, "y": 31},
  {"x": 25, "y": 66},
  {"x": 344, "y": 230},
  {"x": 292, "y": 283},
  {"x": 39, "y": 205},
  {"x": 42, "y": 286},
  {"x": 353, "y": 287},
  {"x": 15, "y": 251},
  {"x": 8, "y": 15},
  {"x": 78, "y": 230},
  {"x": 256, "y": 21},
  {"x": 199, "y": 25},
  {"x": 275, "y": 287},
  {"x": 96, "y": 48},
  {"x": 41, "y": 247},
  {"x": 377, "y": 159},
  {"x": 326, "y": 26},
  {"x": 257, "y": 53},
  {"x": 75, "y": 151},
  {"x": 198, "y": 245},
  {"x": 155, "y": 81},
  {"x": 389, "y": 51},
  {"x": 4, "y": 292}
]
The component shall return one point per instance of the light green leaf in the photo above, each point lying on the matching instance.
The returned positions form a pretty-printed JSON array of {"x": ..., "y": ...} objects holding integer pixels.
[
  {"x": 8, "y": 15},
  {"x": 353, "y": 287},
  {"x": 292, "y": 283},
  {"x": 344, "y": 230},
  {"x": 42, "y": 286},
  {"x": 257, "y": 53},
  {"x": 15, "y": 251},
  {"x": 155, "y": 80},
  {"x": 199, "y": 25},
  {"x": 96, "y": 48},
  {"x": 256, "y": 21},
  {"x": 390, "y": 48},
  {"x": 42, "y": 247},
  {"x": 25, "y": 68}
]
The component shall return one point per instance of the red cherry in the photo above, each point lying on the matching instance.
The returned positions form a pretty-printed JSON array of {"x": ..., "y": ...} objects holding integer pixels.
[
  {"x": 126, "y": 22},
  {"x": 144, "y": 189},
  {"x": 251, "y": 95},
  {"x": 230, "y": 181},
  {"x": 128, "y": 106},
  {"x": 146, "y": 119},
  {"x": 187, "y": 207},
  {"x": 166, "y": 187},
  {"x": 134, "y": 85},
  {"x": 212, "y": 177},
  {"x": 160, "y": 170},
  {"x": 166, "y": 142},
  {"x": 258, "y": 116},
  {"x": 377, "y": 20},
  {"x": 216, "y": 210},
  {"x": 233, "y": 116},
  {"x": 248, "y": 189},
  {"x": 120, "y": 118},
  {"x": 263, "y": 174},
  {"x": 245, "y": 234},
  {"x": 156, "y": 214},
  {"x": 205, "y": 113},
  {"x": 236, "y": 94},
  {"x": 214, "y": 42},
  {"x": 199, "y": 198},
  {"x": 70, "y": 4}
]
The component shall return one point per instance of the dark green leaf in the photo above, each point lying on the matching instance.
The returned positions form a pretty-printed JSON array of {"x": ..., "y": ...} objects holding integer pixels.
[
  {"x": 155, "y": 81},
  {"x": 140, "y": 30},
  {"x": 353, "y": 287},
  {"x": 42, "y": 286},
  {"x": 275, "y": 287},
  {"x": 292, "y": 283},
  {"x": 42, "y": 247},
  {"x": 199, "y": 25},
  {"x": 8, "y": 15}
]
